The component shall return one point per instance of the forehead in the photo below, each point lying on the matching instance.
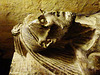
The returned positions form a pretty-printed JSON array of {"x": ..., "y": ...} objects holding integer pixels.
[{"x": 56, "y": 13}]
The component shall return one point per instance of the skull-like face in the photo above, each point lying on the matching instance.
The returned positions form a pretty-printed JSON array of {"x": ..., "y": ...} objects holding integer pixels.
[{"x": 49, "y": 28}]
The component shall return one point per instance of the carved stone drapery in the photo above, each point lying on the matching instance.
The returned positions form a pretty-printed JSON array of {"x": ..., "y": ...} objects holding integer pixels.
[{"x": 68, "y": 53}]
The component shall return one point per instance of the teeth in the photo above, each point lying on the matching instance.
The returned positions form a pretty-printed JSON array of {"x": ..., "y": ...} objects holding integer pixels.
[
  {"x": 49, "y": 42},
  {"x": 46, "y": 43}
]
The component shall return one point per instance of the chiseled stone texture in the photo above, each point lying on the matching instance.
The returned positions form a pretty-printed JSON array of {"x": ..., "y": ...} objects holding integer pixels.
[
  {"x": 14, "y": 11},
  {"x": 27, "y": 66}
]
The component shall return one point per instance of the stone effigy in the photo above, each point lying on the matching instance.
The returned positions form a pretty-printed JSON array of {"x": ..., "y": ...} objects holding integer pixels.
[{"x": 57, "y": 43}]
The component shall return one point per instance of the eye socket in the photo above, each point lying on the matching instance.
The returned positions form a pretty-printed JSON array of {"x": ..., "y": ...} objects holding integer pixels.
[{"x": 42, "y": 19}]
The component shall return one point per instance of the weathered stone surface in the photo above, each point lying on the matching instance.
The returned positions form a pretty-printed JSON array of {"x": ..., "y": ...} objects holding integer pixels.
[
  {"x": 14, "y": 11},
  {"x": 83, "y": 37},
  {"x": 26, "y": 66}
]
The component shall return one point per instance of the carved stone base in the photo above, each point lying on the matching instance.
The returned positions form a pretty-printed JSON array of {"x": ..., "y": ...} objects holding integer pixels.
[
  {"x": 29, "y": 66},
  {"x": 26, "y": 66}
]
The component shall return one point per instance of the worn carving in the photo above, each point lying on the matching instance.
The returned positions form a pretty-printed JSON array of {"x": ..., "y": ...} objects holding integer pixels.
[{"x": 62, "y": 42}]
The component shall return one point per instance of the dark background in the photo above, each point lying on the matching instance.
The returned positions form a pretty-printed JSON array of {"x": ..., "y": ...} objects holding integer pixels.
[{"x": 5, "y": 66}]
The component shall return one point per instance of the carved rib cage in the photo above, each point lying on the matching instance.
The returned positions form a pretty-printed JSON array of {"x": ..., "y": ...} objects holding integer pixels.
[{"x": 58, "y": 44}]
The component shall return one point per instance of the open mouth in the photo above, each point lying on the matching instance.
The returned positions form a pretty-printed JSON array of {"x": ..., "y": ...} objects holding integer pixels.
[{"x": 48, "y": 42}]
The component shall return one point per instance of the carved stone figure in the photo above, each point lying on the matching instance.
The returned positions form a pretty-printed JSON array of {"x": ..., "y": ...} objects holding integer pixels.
[{"x": 62, "y": 42}]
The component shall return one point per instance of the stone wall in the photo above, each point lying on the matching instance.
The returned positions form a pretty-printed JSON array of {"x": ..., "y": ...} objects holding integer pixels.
[{"x": 14, "y": 11}]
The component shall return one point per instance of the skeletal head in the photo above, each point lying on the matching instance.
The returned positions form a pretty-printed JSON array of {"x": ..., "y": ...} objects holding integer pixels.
[{"x": 49, "y": 28}]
